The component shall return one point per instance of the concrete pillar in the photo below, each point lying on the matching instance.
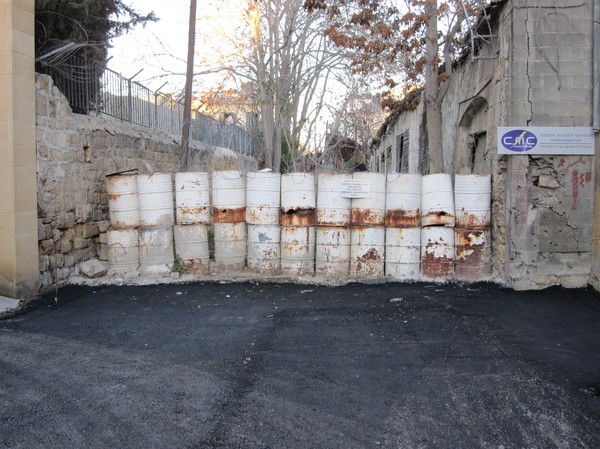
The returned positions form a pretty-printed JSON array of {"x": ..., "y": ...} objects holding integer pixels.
[
  {"x": 19, "y": 262},
  {"x": 595, "y": 277}
]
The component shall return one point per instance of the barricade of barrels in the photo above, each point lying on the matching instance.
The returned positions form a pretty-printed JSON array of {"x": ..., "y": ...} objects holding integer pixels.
[{"x": 405, "y": 227}]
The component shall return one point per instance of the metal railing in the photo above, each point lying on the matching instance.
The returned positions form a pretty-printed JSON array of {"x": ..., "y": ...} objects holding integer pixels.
[{"x": 113, "y": 94}]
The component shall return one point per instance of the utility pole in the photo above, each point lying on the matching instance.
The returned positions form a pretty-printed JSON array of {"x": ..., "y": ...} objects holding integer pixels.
[{"x": 187, "y": 104}]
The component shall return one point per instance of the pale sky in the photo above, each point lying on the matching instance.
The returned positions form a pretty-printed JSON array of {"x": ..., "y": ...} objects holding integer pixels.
[{"x": 161, "y": 48}]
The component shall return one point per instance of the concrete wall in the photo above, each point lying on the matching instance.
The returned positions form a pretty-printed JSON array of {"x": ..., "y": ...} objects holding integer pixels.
[
  {"x": 74, "y": 155},
  {"x": 550, "y": 199},
  {"x": 535, "y": 71},
  {"x": 18, "y": 231}
]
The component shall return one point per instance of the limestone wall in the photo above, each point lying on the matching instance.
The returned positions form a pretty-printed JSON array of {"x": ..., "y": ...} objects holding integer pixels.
[{"x": 74, "y": 155}]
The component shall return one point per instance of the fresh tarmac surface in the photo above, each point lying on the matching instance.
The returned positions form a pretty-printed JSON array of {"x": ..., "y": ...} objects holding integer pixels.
[{"x": 248, "y": 365}]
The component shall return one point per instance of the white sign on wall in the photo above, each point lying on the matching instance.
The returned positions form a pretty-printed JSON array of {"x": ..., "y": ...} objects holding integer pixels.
[
  {"x": 355, "y": 188},
  {"x": 545, "y": 140}
]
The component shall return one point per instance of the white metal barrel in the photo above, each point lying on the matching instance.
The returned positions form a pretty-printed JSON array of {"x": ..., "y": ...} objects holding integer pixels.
[
  {"x": 123, "y": 205},
  {"x": 437, "y": 200},
  {"x": 192, "y": 198},
  {"x": 123, "y": 250},
  {"x": 157, "y": 252},
  {"x": 298, "y": 199},
  {"x": 228, "y": 197},
  {"x": 403, "y": 201},
  {"x": 367, "y": 252},
  {"x": 473, "y": 260},
  {"x": 403, "y": 253},
  {"x": 155, "y": 193},
  {"x": 437, "y": 252},
  {"x": 264, "y": 250},
  {"x": 332, "y": 251},
  {"x": 191, "y": 248},
  {"x": 298, "y": 250},
  {"x": 263, "y": 198},
  {"x": 472, "y": 201},
  {"x": 230, "y": 245},
  {"x": 332, "y": 208},
  {"x": 369, "y": 211}
]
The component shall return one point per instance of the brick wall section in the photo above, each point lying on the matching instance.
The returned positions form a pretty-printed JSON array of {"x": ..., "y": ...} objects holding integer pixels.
[{"x": 74, "y": 155}]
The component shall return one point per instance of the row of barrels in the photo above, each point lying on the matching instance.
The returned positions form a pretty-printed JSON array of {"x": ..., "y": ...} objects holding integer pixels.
[{"x": 399, "y": 225}]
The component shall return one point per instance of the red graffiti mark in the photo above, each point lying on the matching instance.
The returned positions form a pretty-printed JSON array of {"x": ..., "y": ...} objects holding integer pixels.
[
  {"x": 579, "y": 180},
  {"x": 575, "y": 184},
  {"x": 562, "y": 163}
]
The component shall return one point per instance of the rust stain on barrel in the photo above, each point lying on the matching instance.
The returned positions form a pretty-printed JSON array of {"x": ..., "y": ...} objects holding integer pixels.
[
  {"x": 437, "y": 218},
  {"x": 399, "y": 218},
  {"x": 332, "y": 218},
  {"x": 223, "y": 215},
  {"x": 298, "y": 217},
  {"x": 196, "y": 212},
  {"x": 368, "y": 264},
  {"x": 468, "y": 220},
  {"x": 436, "y": 267},
  {"x": 365, "y": 217},
  {"x": 473, "y": 253}
]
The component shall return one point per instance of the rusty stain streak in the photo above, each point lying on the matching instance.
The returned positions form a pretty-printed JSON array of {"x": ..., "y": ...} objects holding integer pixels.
[
  {"x": 467, "y": 220},
  {"x": 197, "y": 214},
  {"x": 372, "y": 255},
  {"x": 235, "y": 215},
  {"x": 473, "y": 254},
  {"x": 399, "y": 218},
  {"x": 436, "y": 267},
  {"x": 329, "y": 218},
  {"x": 298, "y": 217},
  {"x": 437, "y": 218},
  {"x": 365, "y": 217}
]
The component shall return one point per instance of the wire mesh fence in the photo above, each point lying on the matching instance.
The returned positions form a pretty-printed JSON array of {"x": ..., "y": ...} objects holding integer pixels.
[{"x": 111, "y": 93}]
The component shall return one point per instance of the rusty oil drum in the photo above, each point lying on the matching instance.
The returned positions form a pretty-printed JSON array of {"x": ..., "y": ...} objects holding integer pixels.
[
  {"x": 228, "y": 197},
  {"x": 403, "y": 201},
  {"x": 263, "y": 198},
  {"x": 332, "y": 208},
  {"x": 437, "y": 252},
  {"x": 473, "y": 254},
  {"x": 472, "y": 201},
  {"x": 192, "y": 199},
  {"x": 298, "y": 199},
  {"x": 369, "y": 211},
  {"x": 437, "y": 200}
]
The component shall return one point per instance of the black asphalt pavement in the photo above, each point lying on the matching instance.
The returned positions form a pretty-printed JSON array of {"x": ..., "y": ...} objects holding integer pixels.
[{"x": 210, "y": 365}]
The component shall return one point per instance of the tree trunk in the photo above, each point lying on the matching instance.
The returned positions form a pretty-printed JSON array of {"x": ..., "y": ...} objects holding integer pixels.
[{"x": 433, "y": 99}]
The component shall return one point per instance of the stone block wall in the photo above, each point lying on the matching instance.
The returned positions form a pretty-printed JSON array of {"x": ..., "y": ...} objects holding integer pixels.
[{"x": 74, "y": 155}]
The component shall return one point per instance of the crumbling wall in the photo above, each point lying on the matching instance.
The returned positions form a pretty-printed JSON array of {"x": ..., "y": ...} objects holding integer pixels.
[
  {"x": 550, "y": 203},
  {"x": 478, "y": 99},
  {"x": 539, "y": 75},
  {"x": 550, "y": 218},
  {"x": 74, "y": 155}
]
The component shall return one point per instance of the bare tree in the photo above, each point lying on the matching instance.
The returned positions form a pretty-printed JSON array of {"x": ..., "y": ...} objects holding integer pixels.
[
  {"x": 283, "y": 53},
  {"x": 419, "y": 36}
]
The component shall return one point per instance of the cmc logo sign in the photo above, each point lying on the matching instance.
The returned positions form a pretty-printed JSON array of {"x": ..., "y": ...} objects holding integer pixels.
[{"x": 519, "y": 140}]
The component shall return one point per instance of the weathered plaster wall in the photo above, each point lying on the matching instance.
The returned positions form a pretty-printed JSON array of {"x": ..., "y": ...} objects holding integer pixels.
[
  {"x": 595, "y": 278},
  {"x": 478, "y": 101},
  {"x": 540, "y": 76},
  {"x": 550, "y": 199},
  {"x": 74, "y": 155},
  {"x": 411, "y": 122}
]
